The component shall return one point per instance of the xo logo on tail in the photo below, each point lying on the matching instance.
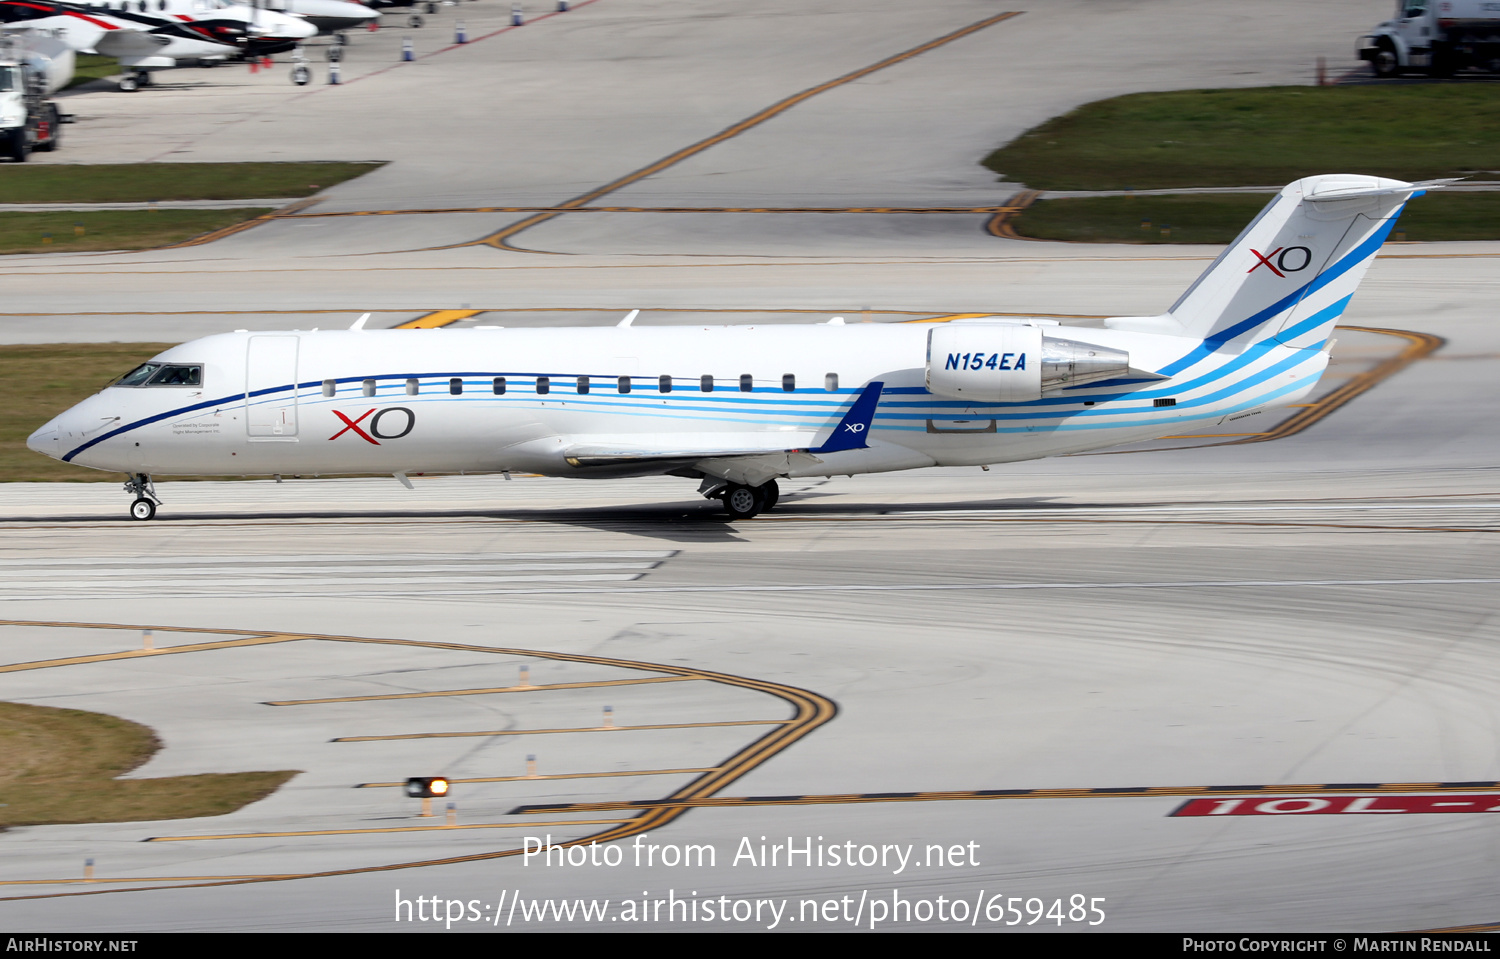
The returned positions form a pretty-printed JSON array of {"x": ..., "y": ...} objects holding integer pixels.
[
  {"x": 375, "y": 435},
  {"x": 1300, "y": 255}
]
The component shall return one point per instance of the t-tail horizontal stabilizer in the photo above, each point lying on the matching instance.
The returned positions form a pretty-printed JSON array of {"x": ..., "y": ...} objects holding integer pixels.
[{"x": 854, "y": 429}]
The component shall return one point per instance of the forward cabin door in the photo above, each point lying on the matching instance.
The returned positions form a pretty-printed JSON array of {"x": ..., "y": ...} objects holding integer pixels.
[{"x": 271, "y": 388}]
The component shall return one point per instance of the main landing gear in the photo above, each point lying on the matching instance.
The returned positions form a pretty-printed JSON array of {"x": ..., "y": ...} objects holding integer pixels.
[
  {"x": 146, "y": 499},
  {"x": 746, "y": 502}
]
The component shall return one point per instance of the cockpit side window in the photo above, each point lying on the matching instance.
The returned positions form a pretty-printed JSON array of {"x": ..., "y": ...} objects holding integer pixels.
[
  {"x": 178, "y": 376},
  {"x": 163, "y": 374}
]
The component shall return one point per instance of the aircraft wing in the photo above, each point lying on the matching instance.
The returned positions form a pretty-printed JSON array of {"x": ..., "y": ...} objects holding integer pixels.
[
  {"x": 749, "y": 458},
  {"x": 129, "y": 43}
]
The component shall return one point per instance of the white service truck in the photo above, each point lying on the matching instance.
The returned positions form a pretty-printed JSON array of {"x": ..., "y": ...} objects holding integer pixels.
[
  {"x": 1436, "y": 37},
  {"x": 32, "y": 68}
]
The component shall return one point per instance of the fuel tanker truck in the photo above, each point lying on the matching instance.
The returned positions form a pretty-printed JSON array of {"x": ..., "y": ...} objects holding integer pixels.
[
  {"x": 32, "y": 68},
  {"x": 1436, "y": 37}
]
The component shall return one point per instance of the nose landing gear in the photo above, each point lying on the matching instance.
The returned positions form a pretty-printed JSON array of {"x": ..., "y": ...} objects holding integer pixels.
[{"x": 146, "y": 499}]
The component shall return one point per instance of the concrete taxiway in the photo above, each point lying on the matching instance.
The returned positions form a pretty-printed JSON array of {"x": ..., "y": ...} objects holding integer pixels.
[{"x": 1015, "y": 676}]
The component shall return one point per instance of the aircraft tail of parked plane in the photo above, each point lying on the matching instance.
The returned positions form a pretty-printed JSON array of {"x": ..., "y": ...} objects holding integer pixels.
[{"x": 738, "y": 407}]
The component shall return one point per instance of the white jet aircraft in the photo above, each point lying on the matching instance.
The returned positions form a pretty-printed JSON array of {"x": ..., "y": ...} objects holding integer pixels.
[{"x": 739, "y": 406}]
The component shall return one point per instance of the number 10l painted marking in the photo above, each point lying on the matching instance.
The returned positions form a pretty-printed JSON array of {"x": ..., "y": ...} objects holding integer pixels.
[{"x": 1338, "y": 805}]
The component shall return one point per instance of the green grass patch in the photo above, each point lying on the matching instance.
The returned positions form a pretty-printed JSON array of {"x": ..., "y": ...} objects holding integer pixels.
[
  {"x": 58, "y": 765},
  {"x": 69, "y": 231},
  {"x": 38, "y": 382},
  {"x": 1265, "y": 136},
  {"x": 143, "y": 182},
  {"x": 91, "y": 66},
  {"x": 1219, "y": 218}
]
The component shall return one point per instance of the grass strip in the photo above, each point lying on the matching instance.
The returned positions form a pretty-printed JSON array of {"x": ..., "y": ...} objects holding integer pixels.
[
  {"x": 92, "y": 66},
  {"x": 80, "y": 231},
  {"x": 1219, "y": 218},
  {"x": 1261, "y": 136},
  {"x": 37, "y": 382},
  {"x": 144, "y": 182},
  {"x": 58, "y": 766}
]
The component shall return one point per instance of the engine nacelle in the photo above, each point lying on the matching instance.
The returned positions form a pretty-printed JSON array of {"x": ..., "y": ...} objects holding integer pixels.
[{"x": 1011, "y": 363}]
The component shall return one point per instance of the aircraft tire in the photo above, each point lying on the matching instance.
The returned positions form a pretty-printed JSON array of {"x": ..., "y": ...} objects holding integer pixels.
[
  {"x": 301, "y": 75},
  {"x": 431, "y": 8},
  {"x": 129, "y": 85},
  {"x": 771, "y": 493},
  {"x": 414, "y": 21},
  {"x": 142, "y": 509},
  {"x": 743, "y": 502}
]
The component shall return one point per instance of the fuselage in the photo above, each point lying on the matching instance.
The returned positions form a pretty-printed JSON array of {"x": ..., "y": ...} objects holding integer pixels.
[{"x": 484, "y": 400}]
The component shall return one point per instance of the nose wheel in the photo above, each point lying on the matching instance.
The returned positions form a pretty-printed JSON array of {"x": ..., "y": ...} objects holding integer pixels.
[{"x": 146, "y": 500}]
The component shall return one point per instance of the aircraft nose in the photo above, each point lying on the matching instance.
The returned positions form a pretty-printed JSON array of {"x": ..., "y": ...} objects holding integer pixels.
[{"x": 45, "y": 440}]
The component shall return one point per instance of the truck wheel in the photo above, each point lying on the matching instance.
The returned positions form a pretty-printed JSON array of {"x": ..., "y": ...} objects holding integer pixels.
[
  {"x": 1386, "y": 64},
  {"x": 50, "y": 130},
  {"x": 16, "y": 145}
]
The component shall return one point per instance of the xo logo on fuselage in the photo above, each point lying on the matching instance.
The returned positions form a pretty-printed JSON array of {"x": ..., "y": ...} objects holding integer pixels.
[
  {"x": 1301, "y": 256},
  {"x": 407, "y": 419}
]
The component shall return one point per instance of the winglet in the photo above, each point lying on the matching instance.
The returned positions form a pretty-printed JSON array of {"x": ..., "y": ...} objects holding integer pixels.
[
  {"x": 629, "y": 318},
  {"x": 359, "y": 324},
  {"x": 854, "y": 429}
]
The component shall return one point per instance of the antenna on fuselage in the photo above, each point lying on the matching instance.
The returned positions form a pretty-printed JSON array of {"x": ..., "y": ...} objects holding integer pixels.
[
  {"x": 359, "y": 324},
  {"x": 629, "y": 318}
]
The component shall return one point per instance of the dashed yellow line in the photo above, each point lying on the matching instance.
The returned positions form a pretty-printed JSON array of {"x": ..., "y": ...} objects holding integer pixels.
[
  {"x": 139, "y": 653},
  {"x": 480, "y": 692},
  {"x": 288, "y": 210},
  {"x": 561, "y": 729},
  {"x": 435, "y": 827},
  {"x": 974, "y": 794},
  {"x": 517, "y": 779}
]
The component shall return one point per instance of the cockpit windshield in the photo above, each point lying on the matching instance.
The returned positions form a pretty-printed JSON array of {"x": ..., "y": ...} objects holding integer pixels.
[{"x": 163, "y": 374}]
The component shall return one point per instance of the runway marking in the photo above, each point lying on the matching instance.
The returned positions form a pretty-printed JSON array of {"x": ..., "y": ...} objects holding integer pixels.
[
  {"x": 810, "y": 711},
  {"x": 520, "y": 779},
  {"x": 435, "y": 827},
  {"x": 1127, "y": 792},
  {"x": 437, "y": 319},
  {"x": 138, "y": 653},
  {"x": 499, "y": 239},
  {"x": 443, "y": 211},
  {"x": 219, "y": 234},
  {"x": 1418, "y": 346},
  {"x": 999, "y": 224},
  {"x": 560, "y": 729},
  {"x": 481, "y": 692}
]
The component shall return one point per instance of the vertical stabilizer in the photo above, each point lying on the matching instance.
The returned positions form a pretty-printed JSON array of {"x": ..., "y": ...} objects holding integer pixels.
[{"x": 1291, "y": 272}]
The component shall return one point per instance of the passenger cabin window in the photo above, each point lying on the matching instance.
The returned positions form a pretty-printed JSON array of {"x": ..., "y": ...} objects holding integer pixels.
[
  {"x": 329, "y": 386},
  {"x": 499, "y": 386},
  {"x": 664, "y": 384},
  {"x": 544, "y": 384},
  {"x": 831, "y": 382},
  {"x": 455, "y": 386},
  {"x": 788, "y": 382},
  {"x": 369, "y": 386},
  {"x": 624, "y": 384},
  {"x": 706, "y": 384},
  {"x": 411, "y": 387},
  {"x": 583, "y": 384},
  {"x": 747, "y": 382}
]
